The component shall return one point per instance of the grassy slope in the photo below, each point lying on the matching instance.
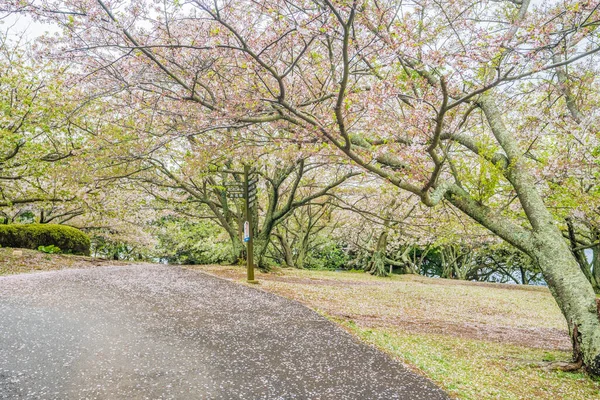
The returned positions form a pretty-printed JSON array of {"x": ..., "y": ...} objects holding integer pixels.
[
  {"x": 477, "y": 341},
  {"x": 19, "y": 261}
]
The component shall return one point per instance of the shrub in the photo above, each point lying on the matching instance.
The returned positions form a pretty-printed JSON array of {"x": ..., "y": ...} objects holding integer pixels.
[
  {"x": 32, "y": 236},
  {"x": 186, "y": 242}
]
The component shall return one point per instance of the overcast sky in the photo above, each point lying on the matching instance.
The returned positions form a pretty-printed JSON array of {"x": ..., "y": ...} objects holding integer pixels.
[{"x": 18, "y": 24}]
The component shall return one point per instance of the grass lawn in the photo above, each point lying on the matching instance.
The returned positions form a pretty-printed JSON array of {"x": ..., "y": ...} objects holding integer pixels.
[{"x": 475, "y": 340}]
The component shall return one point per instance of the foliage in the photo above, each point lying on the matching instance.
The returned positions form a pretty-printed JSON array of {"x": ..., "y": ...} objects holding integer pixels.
[
  {"x": 32, "y": 236},
  {"x": 37, "y": 139},
  {"x": 52, "y": 249},
  {"x": 106, "y": 246},
  {"x": 326, "y": 254},
  {"x": 182, "y": 242}
]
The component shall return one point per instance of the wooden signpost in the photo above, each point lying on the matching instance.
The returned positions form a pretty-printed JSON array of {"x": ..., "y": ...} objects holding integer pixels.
[{"x": 247, "y": 191}]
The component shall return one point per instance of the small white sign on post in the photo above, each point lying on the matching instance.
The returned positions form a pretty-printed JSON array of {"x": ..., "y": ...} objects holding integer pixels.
[{"x": 246, "y": 231}]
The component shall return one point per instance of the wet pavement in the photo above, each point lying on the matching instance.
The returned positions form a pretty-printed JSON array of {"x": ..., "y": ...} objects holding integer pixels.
[{"x": 159, "y": 332}]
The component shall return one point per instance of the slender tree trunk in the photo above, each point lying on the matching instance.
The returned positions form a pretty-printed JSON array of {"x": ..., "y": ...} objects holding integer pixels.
[
  {"x": 524, "y": 280},
  {"x": 596, "y": 262},
  {"x": 581, "y": 258},
  {"x": 596, "y": 254},
  {"x": 446, "y": 272},
  {"x": 286, "y": 250}
]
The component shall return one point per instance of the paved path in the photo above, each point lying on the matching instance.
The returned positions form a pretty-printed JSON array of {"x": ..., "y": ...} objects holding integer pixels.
[{"x": 156, "y": 332}]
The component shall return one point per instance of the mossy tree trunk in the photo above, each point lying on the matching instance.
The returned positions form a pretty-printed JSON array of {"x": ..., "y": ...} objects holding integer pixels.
[
  {"x": 544, "y": 242},
  {"x": 377, "y": 263}
]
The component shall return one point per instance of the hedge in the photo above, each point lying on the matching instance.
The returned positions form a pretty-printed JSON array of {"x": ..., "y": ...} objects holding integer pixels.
[{"x": 31, "y": 236}]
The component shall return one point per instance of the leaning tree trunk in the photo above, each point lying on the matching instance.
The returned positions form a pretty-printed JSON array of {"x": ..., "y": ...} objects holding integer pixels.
[
  {"x": 574, "y": 295},
  {"x": 544, "y": 242},
  {"x": 286, "y": 250},
  {"x": 596, "y": 262},
  {"x": 261, "y": 244},
  {"x": 596, "y": 254},
  {"x": 567, "y": 283}
]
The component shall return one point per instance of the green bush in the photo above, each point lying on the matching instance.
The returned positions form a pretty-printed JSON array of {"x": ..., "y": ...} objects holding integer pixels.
[
  {"x": 32, "y": 236},
  {"x": 186, "y": 242}
]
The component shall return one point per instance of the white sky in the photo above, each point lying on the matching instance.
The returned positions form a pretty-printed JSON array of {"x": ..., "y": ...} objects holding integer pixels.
[{"x": 20, "y": 24}]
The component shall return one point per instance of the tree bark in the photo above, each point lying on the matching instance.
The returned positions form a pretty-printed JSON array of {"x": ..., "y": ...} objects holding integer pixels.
[
  {"x": 286, "y": 250},
  {"x": 573, "y": 293},
  {"x": 579, "y": 254},
  {"x": 376, "y": 264},
  {"x": 544, "y": 242}
]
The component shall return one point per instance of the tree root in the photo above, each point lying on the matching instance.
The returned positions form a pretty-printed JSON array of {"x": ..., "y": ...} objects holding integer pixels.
[{"x": 561, "y": 366}]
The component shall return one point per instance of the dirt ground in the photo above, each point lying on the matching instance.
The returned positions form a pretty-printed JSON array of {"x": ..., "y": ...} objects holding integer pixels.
[{"x": 19, "y": 261}]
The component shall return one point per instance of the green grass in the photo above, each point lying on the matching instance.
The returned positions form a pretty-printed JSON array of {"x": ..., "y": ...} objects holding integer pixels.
[{"x": 476, "y": 369}]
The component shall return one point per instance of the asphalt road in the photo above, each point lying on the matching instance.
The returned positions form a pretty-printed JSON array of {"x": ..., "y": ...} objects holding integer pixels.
[{"x": 158, "y": 332}]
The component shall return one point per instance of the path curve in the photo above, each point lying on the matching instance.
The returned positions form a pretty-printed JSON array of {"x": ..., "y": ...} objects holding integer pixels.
[{"x": 160, "y": 332}]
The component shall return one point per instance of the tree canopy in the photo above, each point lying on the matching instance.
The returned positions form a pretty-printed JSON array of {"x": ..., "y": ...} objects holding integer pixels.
[{"x": 399, "y": 134}]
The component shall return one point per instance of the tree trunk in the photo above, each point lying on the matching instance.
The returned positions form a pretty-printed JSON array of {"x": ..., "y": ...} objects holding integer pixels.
[
  {"x": 376, "y": 264},
  {"x": 446, "y": 273},
  {"x": 585, "y": 266},
  {"x": 574, "y": 295},
  {"x": 524, "y": 279},
  {"x": 261, "y": 243},
  {"x": 544, "y": 242},
  {"x": 596, "y": 254},
  {"x": 286, "y": 250},
  {"x": 237, "y": 250},
  {"x": 596, "y": 262}
]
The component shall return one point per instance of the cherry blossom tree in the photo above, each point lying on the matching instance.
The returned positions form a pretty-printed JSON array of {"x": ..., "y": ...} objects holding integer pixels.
[{"x": 37, "y": 143}]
